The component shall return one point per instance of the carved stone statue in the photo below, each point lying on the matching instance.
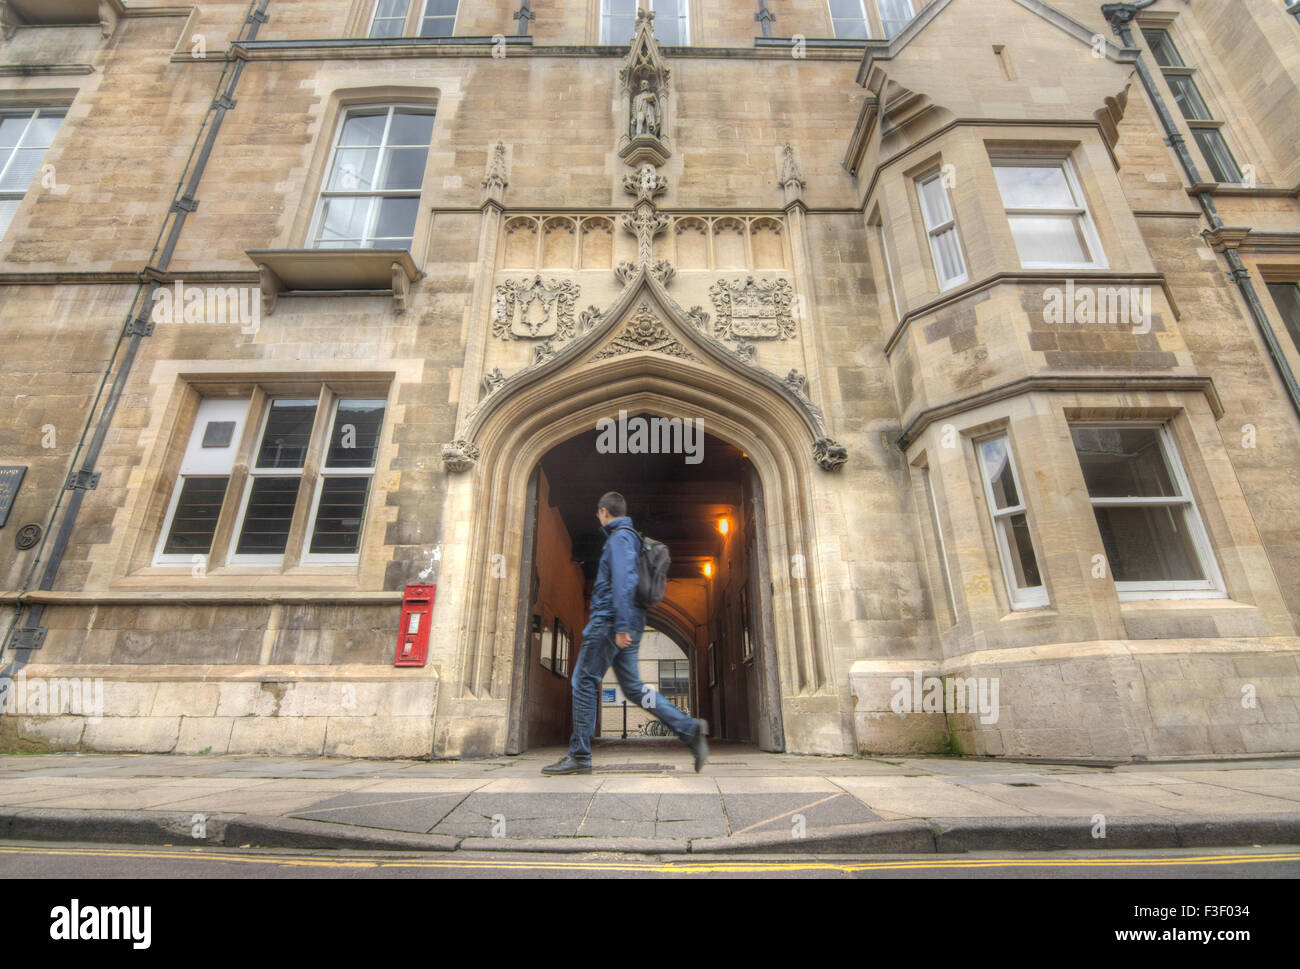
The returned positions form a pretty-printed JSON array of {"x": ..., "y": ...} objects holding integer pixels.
[{"x": 645, "y": 112}]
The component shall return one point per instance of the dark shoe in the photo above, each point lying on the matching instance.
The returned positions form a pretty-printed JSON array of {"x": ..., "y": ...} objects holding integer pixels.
[
  {"x": 699, "y": 746},
  {"x": 569, "y": 766}
]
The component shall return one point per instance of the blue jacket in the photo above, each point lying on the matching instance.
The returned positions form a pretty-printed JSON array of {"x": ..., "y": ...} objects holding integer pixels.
[{"x": 613, "y": 598}]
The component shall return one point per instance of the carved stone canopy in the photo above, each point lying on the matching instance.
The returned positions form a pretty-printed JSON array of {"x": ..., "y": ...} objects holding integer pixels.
[{"x": 644, "y": 79}]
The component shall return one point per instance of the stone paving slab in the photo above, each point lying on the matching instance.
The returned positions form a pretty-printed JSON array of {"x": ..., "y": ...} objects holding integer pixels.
[{"x": 418, "y": 813}]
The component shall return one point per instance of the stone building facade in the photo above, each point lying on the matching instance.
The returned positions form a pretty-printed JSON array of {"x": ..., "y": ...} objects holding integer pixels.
[{"x": 962, "y": 337}]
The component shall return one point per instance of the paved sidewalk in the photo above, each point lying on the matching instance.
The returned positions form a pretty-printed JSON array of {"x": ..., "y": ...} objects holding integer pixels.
[{"x": 646, "y": 798}]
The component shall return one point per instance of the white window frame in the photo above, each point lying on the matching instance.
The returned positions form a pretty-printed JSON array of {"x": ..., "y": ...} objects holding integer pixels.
[
  {"x": 1080, "y": 213},
  {"x": 374, "y": 16},
  {"x": 32, "y": 114},
  {"x": 935, "y": 229},
  {"x": 326, "y": 193},
  {"x": 836, "y": 21},
  {"x": 196, "y": 464},
  {"x": 1033, "y": 597},
  {"x": 1212, "y": 587},
  {"x": 889, "y": 268},
  {"x": 254, "y": 472},
  {"x": 884, "y": 29},
  {"x": 331, "y": 558},
  {"x": 411, "y": 28},
  {"x": 648, "y": 5}
]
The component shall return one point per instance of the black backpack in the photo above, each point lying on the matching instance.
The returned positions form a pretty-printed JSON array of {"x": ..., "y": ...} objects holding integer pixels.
[{"x": 651, "y": 570}]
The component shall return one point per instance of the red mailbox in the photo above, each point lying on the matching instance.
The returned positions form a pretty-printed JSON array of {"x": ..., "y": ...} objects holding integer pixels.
[{"x": 413, "y": 631}]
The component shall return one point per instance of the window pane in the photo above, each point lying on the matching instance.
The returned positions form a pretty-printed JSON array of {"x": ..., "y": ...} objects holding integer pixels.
[
  {"x": 440, "y": 8},
  {"x": 1162, "y": 48},
  {"x": 288, "y": 429},
  {"x": 1049, "y": 239},
  {"x": 12, "y": 128},
  {"x": 846, "y": 9},
  {"x": 1188, "y": 98},
  {"x": 1034, "y": 187},
  {"x": 24, "y": 163},
  {"x": 998, "y": 473},
  {"x": 947, "y": 255},
  {"x": 388, "y": 28},
  {"x": 670, "y": 27},
  {"x": 354, "y": 170},
  {"x": 355, "y": 438},
  {"x": 268, "y": 516},
  {"x": 934, "y": 202},
  {"x": 196, "y": 516},
  {"x": 894, "y": 15},
  {"x": 344, "y": 220},
  {"x": 1222, "y": 165},
  {"x": 1123, "y": 462},
  {"x": 1149, "y": 544},
  {"x": 337, "y": 529},
  {"x": 1287, "y": 298},
  {"x": 1024, "y": 566},
  {"x": 396, "y": 220},
  {"x": 405, "y": 168},
  {"x": 363, "y": 129},
  {"x": 7, "y": 209},
  {"x": 854, "y": 29},
  {"x": 411, "y": 128},
  {"x": 43, "y": 129}
]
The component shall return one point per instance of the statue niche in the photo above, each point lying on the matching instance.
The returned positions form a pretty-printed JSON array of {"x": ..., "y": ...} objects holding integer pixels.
[{"x": 644, "y": 80}]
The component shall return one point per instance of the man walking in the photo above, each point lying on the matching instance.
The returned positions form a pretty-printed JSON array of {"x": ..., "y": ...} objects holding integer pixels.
[{"x": 612, "y": 636}]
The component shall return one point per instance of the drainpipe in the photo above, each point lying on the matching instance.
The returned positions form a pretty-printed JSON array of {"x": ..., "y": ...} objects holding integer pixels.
[
  {"x": 137, "y": 327},
  {"x": 1120, "y": 16}
]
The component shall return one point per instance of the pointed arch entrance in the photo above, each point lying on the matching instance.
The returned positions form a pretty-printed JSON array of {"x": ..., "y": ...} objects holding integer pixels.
[{"x": 644, "y": 356}]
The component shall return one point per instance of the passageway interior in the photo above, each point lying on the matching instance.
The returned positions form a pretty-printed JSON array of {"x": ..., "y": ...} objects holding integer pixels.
[{"x": 704, "y": 645}]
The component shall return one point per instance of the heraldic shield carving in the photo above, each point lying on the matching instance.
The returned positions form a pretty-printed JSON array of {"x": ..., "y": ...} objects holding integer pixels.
[
  {"x": 534, "y": 310},
  {"x": 753, "y": 310}
]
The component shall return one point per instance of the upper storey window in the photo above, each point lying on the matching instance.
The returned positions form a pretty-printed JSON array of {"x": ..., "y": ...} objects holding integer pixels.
[
  {"x": 618, "y": 21},
  {"x": 433, "y": 18},
  {"x": 1187, "y": 95},
  {"x": 1048, "y": 214},
  {"x": 894, "y": 16},
  {"x": 24, "y": 137},
  {"x": 849, "y": 18},
  {"x": 371, "y": 196}
]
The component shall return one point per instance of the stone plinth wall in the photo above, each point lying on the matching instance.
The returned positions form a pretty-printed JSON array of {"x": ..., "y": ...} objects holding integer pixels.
[{"x": 364, "y": 711}]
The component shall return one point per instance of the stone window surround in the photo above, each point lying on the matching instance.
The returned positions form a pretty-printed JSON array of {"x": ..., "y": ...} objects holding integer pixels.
[
  {"x": 1242, "y": 143},
  {"x": 1086, "y": 220},
  {"x": 1029, "y": 597},
  {"x": 336, "y": 106},
  {"x": 1275, "y": 267},
  {"x": 694, "y": 22},
  {"x": 1190, "y": 423},
  {"x": 976, "y": 201},
  {"x": 259, "y": 390},
  {"x": 363, "y": 16}
]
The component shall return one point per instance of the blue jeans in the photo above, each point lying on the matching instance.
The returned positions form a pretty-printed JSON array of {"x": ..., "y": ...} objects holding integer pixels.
[{"x": 599, "y": 652}]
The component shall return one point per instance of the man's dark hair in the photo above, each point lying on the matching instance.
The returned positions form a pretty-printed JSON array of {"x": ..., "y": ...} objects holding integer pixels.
[{"x": 614, "y": 503}]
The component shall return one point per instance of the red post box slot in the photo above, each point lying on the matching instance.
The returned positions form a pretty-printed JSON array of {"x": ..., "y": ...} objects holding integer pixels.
[{"x": 413, "y": 627}]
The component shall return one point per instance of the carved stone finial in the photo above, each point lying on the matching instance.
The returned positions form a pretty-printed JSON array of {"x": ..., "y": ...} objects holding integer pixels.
[
  {"x": 497, "y": 178},
  {"x": 829, "y": 455},
  {"x": 459, "y": 456},
  {"x": 493, "y": 381},
  {"x": 791, "y": 177}
]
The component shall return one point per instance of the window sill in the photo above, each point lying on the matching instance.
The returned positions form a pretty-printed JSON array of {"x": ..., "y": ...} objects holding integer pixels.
[
  {"x": 1178, "y": 601},
  {"x": 340, "y": 271}
]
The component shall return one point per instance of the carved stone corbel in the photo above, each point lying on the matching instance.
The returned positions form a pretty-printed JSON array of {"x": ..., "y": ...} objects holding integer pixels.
[
  {"x": 107, "y": 18},
  {"x": 271, "y": 288},
  {"x": 459, "y": 456},
  {"x": 8, "y": 20},
  {"x": 829, "y": 455},
  {"x": 401, "y": 288}
]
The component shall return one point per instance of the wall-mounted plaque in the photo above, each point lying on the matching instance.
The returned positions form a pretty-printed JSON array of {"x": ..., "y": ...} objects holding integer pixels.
[{"x": 10, "y": 478}]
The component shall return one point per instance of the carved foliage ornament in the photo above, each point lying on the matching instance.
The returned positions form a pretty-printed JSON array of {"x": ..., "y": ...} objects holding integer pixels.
[
  {"x": 459, "y": 456},
  {"x": 644, "y": 332},
  {"x": 753, "y": 310},
  {"x": 534, "y": 310}
]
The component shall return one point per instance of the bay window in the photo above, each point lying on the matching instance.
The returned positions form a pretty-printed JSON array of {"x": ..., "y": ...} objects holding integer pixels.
[
  {"x": 941, "y": 228},
  {"x": 1048, "y": 214},
  {"x": 1010, "y": 518}
]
